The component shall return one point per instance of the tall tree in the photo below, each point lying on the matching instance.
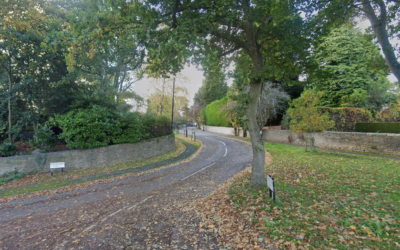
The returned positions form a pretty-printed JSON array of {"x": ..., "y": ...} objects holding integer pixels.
[
  {"x": 382, "y": 14},
  {"x": 214, "y": 86},
  {"x": 160, "y": 101},
  {"x": 348, "y": 62},
  {"x": 268, "y": 32},
  {"x": 32, "y": 70},
  {"x": 100, "y": 50}
]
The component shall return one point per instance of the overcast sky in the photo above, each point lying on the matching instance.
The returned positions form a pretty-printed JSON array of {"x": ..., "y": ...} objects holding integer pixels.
[{"x": 195, "y": 76}]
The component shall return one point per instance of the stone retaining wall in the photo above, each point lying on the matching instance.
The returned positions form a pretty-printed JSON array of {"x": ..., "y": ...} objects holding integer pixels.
[
  {"x": 225, "y": 130},
  {"x": 90, "y": 158},
  {"x": 375, "y": 143},
  {"x": 221, "y": 130}
]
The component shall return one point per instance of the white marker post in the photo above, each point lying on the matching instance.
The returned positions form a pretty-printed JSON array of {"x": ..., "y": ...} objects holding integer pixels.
[
  {"x": 54, "y": 165},
  {"x": 271, "y": 185}
]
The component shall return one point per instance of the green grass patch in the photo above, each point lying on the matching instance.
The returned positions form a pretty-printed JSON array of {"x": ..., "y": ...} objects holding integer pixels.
[
  {"x": 334, "y": 201},
  {"x": 11, "y": 176}
]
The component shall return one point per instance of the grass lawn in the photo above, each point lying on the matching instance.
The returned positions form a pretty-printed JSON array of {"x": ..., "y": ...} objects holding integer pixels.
[
  {"x": 325, "y": 200},
  {"x": 44, "y": 181}
]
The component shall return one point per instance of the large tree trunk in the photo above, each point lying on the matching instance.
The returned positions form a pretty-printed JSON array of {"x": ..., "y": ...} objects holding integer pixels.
[
  {"x": 379, "y": 27},
  {"x": 257, "y": 174},
  {"x": 9, "y": 108}
]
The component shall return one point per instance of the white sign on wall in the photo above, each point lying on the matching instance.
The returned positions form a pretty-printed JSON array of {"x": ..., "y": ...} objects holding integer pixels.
[{"x": 54, "y": 165}]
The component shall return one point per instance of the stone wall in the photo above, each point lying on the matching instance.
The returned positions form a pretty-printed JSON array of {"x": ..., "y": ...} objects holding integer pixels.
[
  {"x": 375, "y": 143},
  {"x": 220, "y": 130},
  {"x": 224, "y": 130},
  {"x": 90, "y": 158}
]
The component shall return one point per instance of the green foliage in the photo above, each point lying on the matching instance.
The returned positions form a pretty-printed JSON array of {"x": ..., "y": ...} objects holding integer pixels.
[
  {"x": 346, "y": 118},
  {"x": 98, "y": 126},
  {"x": 352, "y": 72},
  {"x": 160, "y": 101},
  {"x": 7, "y": 149},
  {"x": 214, "y": 86},
  {"x": 10, "y": 176},
  {"x": 378, "y": 127},
  {"x": 213, "y": 114},
  {"x": 89, "y": 128},
  {"x": 132, "y": 127},
  {"x": 157, "y": 126},
  {"x": 305, "y": 117},
  {"x": 45, "y": 139}
]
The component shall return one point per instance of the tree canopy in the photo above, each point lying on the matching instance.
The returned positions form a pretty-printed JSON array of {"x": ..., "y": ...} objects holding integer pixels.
[
  {"x": 214, "y": 86},
  {"x": 350, "y": 67}
]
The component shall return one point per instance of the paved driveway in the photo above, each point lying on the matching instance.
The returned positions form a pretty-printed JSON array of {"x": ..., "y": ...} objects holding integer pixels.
[{"x": 150, "y": 211}]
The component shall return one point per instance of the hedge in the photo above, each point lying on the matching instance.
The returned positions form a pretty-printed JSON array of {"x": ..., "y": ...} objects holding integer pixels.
[
  {"x": 346, "y": 118},
  {"x": 98, "y": 126},
  {"x": 378, "y": 127},
  {"x": 213, "y": 114}
]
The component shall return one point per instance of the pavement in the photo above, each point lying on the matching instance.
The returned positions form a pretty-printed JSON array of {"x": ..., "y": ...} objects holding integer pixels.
[{"x": 147, "y": 211}]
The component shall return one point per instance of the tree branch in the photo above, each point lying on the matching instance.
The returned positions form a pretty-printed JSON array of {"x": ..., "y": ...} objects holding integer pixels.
[{"x": 229, "y": 51}]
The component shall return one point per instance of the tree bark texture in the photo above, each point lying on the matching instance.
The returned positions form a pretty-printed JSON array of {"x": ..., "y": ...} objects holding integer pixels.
[
  {"x": 379, "y": 27},
  {"x": 258, "y": 163},
  {"x": 9, "y": 108}
]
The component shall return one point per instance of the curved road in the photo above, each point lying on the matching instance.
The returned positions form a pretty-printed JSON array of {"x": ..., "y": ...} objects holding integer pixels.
[{"x": 137, "y": 212}]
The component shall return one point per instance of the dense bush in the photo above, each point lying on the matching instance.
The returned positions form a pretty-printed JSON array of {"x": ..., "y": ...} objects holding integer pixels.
[
  {"x": 7, "y": 149},
  {"x": 157, "y": 125},
  {"x": 346, "y": 118},
  {"x": 88, "y": 128},
  {"x": 378, "y": 127},
  {"x": 44, "y": 139},
  {"x": 99, "y": 126},
  {"x": 213, "y": 114}
]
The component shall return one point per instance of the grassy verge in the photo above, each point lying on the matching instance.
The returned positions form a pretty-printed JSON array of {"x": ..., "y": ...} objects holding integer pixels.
[
  {"x": 40, "y": 181},
  {"x": 188, "y": 139},
  {"x": 325, "y": 200}
]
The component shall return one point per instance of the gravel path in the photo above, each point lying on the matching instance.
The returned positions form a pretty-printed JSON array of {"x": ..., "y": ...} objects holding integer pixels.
[{"x": 150, "y": 211}]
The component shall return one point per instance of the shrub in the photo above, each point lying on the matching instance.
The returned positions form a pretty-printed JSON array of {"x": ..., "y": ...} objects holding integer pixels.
[
  {"x": 378, "y": 127},
  {"x": 305, "y": 116},
  {"x": 89, "y": 128},
  {"x": 157, "y": 125},
  {"x": 10, "y": 176},
  {"x": 7, "y": 149},
  {"x": 213, "y": 114},
  {"x": 99, "y": 126},
  {"x": 346, "y": 118},
  {"x": 133, "y": 128},
  {"x": 45, "y": 139}
]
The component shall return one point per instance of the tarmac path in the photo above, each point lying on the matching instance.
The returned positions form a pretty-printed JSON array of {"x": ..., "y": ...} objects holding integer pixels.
[{"x": 149, "y": 211}]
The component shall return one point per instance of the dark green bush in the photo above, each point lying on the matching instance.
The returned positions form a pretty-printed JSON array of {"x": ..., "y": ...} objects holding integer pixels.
[
  {"x": 157, "y": 125},
  {"x": 378, "y": 127},
  {"x": 89, "y": 128},
  {"x": 133, "y": 128},
  {"x": 44, "y": 139},
  {"x": 99, "y": 126},
  {"x": 7, "y": 149},
  {"x": 213, "y": 115}
]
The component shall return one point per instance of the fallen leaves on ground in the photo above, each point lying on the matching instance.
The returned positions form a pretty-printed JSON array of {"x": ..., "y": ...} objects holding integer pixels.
[
  {"x": 220, "y": 215},
  {"x": 91, "y": 183},
  {"x": 324, "y": 201},
  {"x": 46, "y": 177}
]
